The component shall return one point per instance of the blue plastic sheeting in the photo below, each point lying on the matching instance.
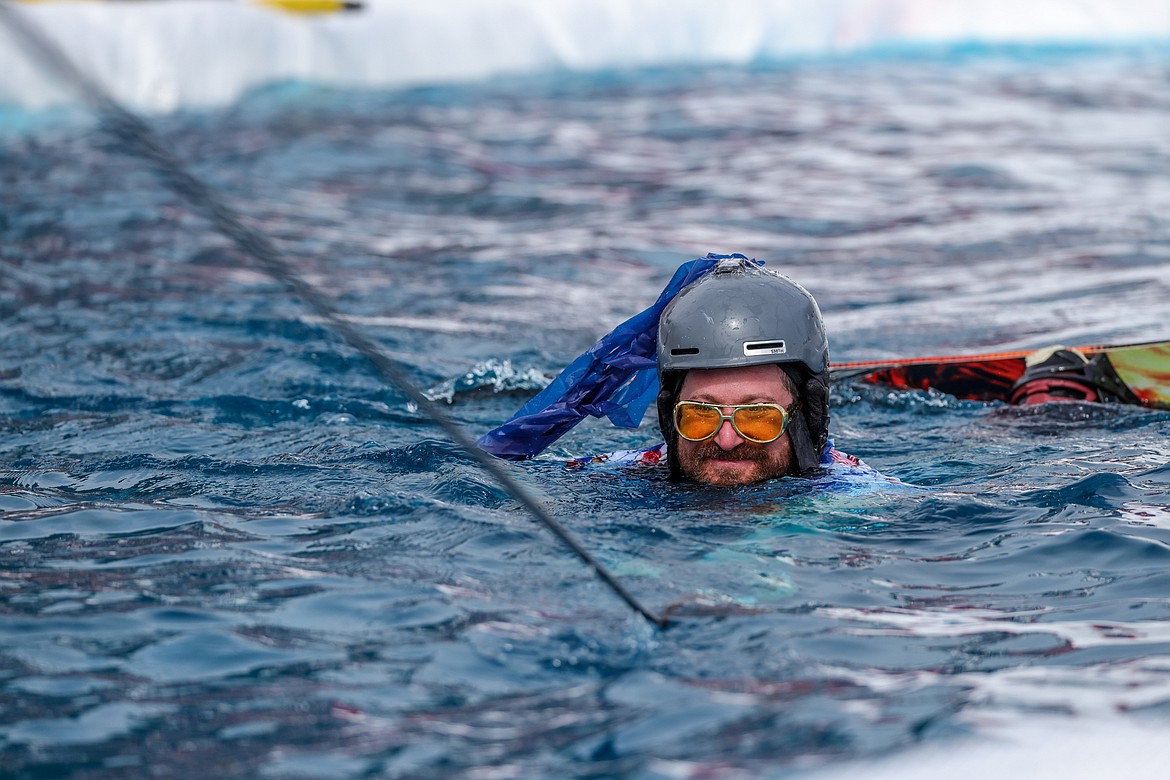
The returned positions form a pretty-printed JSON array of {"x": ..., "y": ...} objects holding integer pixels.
[{"x": 615, "y": 378}]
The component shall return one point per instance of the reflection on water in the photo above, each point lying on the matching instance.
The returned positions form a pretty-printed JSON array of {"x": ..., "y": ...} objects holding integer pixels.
[{"x": 229, "y": 549}]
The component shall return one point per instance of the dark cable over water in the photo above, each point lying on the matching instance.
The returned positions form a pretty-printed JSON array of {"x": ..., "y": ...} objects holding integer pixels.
[{"x": 139, "y": 139}]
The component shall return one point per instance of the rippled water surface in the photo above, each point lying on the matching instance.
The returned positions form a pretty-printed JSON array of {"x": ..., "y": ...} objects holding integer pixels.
[{"x": 228, "y": 549}]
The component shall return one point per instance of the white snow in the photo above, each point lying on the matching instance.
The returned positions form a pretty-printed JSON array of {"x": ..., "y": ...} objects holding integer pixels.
[{"x": 169, "y": 54}]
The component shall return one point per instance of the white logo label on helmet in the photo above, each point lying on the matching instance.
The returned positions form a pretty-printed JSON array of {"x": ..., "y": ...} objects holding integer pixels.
[{"x": 752, "y": 348}]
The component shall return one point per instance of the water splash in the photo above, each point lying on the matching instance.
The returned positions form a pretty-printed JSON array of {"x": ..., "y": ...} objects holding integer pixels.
[{"x": 498, "y": 376}]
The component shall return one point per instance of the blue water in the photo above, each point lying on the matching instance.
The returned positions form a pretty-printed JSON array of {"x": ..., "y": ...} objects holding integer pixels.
[{"x": 228, "y": 549}]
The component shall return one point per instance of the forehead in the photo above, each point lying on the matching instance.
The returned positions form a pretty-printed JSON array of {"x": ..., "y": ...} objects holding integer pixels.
[{"x": 743, "y": 384}]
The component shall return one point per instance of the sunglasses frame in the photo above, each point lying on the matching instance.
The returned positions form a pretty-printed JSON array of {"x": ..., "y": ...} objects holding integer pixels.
[{"x": 785, "y": 413}]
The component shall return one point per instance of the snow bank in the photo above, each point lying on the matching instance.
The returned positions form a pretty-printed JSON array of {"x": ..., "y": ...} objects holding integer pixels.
[{"x": 169, "y": 54}]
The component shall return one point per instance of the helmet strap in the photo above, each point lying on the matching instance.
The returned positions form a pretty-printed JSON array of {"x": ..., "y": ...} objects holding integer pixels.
[{"x": 668, "y": 392}]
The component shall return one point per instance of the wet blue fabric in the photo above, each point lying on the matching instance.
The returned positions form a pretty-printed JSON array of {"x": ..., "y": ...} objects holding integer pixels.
[{"x": 615, "y": 378}]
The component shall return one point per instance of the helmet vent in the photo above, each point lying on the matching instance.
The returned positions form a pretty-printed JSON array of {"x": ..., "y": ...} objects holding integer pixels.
[
  {"x": 684, "y": 351},
  {"x": 764, "y": 348}
]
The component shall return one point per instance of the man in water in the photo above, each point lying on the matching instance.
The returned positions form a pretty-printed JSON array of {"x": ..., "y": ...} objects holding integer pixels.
[
  {"x": 742, "y": 381},
  {"x": 743, "y": 365}
]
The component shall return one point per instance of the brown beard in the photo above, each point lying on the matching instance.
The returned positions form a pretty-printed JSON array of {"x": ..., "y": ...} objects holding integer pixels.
[{"x": 769, "y": 463}]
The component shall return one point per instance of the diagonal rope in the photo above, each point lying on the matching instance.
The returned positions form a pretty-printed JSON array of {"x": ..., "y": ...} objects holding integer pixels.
[{"x": 139, "y": 139}]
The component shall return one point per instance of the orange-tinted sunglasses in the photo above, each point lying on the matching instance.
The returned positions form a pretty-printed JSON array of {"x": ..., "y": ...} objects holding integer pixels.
[{"x": 759, "y": 423}]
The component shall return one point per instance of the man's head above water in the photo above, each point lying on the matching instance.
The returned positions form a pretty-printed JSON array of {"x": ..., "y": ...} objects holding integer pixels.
[
  {"x": 734, "y": 454},
  {"x": 743, "y": 378},
  {"x": 743, "y": 369}
]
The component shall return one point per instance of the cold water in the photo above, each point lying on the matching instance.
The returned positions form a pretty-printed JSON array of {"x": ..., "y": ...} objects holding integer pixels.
[{"x": 228, "y": 549}]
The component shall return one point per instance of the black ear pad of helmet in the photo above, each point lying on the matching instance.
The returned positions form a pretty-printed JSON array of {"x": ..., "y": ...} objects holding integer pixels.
[
  {"x": 809, "y": 429},
  {"x": 670, "y": 387}
]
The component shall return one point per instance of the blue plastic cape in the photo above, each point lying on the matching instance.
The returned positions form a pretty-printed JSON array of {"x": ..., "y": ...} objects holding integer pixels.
[{"x": 615, "y": 378}]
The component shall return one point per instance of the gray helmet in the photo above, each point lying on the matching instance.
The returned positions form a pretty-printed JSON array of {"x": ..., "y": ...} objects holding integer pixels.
[{"x": 742, "y": 314}]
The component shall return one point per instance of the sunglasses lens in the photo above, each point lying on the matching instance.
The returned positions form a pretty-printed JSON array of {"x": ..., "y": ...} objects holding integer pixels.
[
  {"x": 697, "y": 422},
  {"x": 759, "y": 423}
]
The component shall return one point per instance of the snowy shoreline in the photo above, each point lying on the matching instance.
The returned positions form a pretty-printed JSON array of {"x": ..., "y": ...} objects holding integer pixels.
[{"x": 163, "y": 56}]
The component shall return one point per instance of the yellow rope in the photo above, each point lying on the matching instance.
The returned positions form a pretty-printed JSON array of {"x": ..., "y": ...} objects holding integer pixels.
[{"x": 306, "y": 7}]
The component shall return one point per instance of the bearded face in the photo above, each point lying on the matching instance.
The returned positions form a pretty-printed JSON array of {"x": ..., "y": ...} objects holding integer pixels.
[{"x": 727, "y": 458}]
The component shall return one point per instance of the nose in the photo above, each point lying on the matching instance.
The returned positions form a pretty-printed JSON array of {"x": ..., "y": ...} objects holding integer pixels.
[{"x": 727, "y": 438}]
